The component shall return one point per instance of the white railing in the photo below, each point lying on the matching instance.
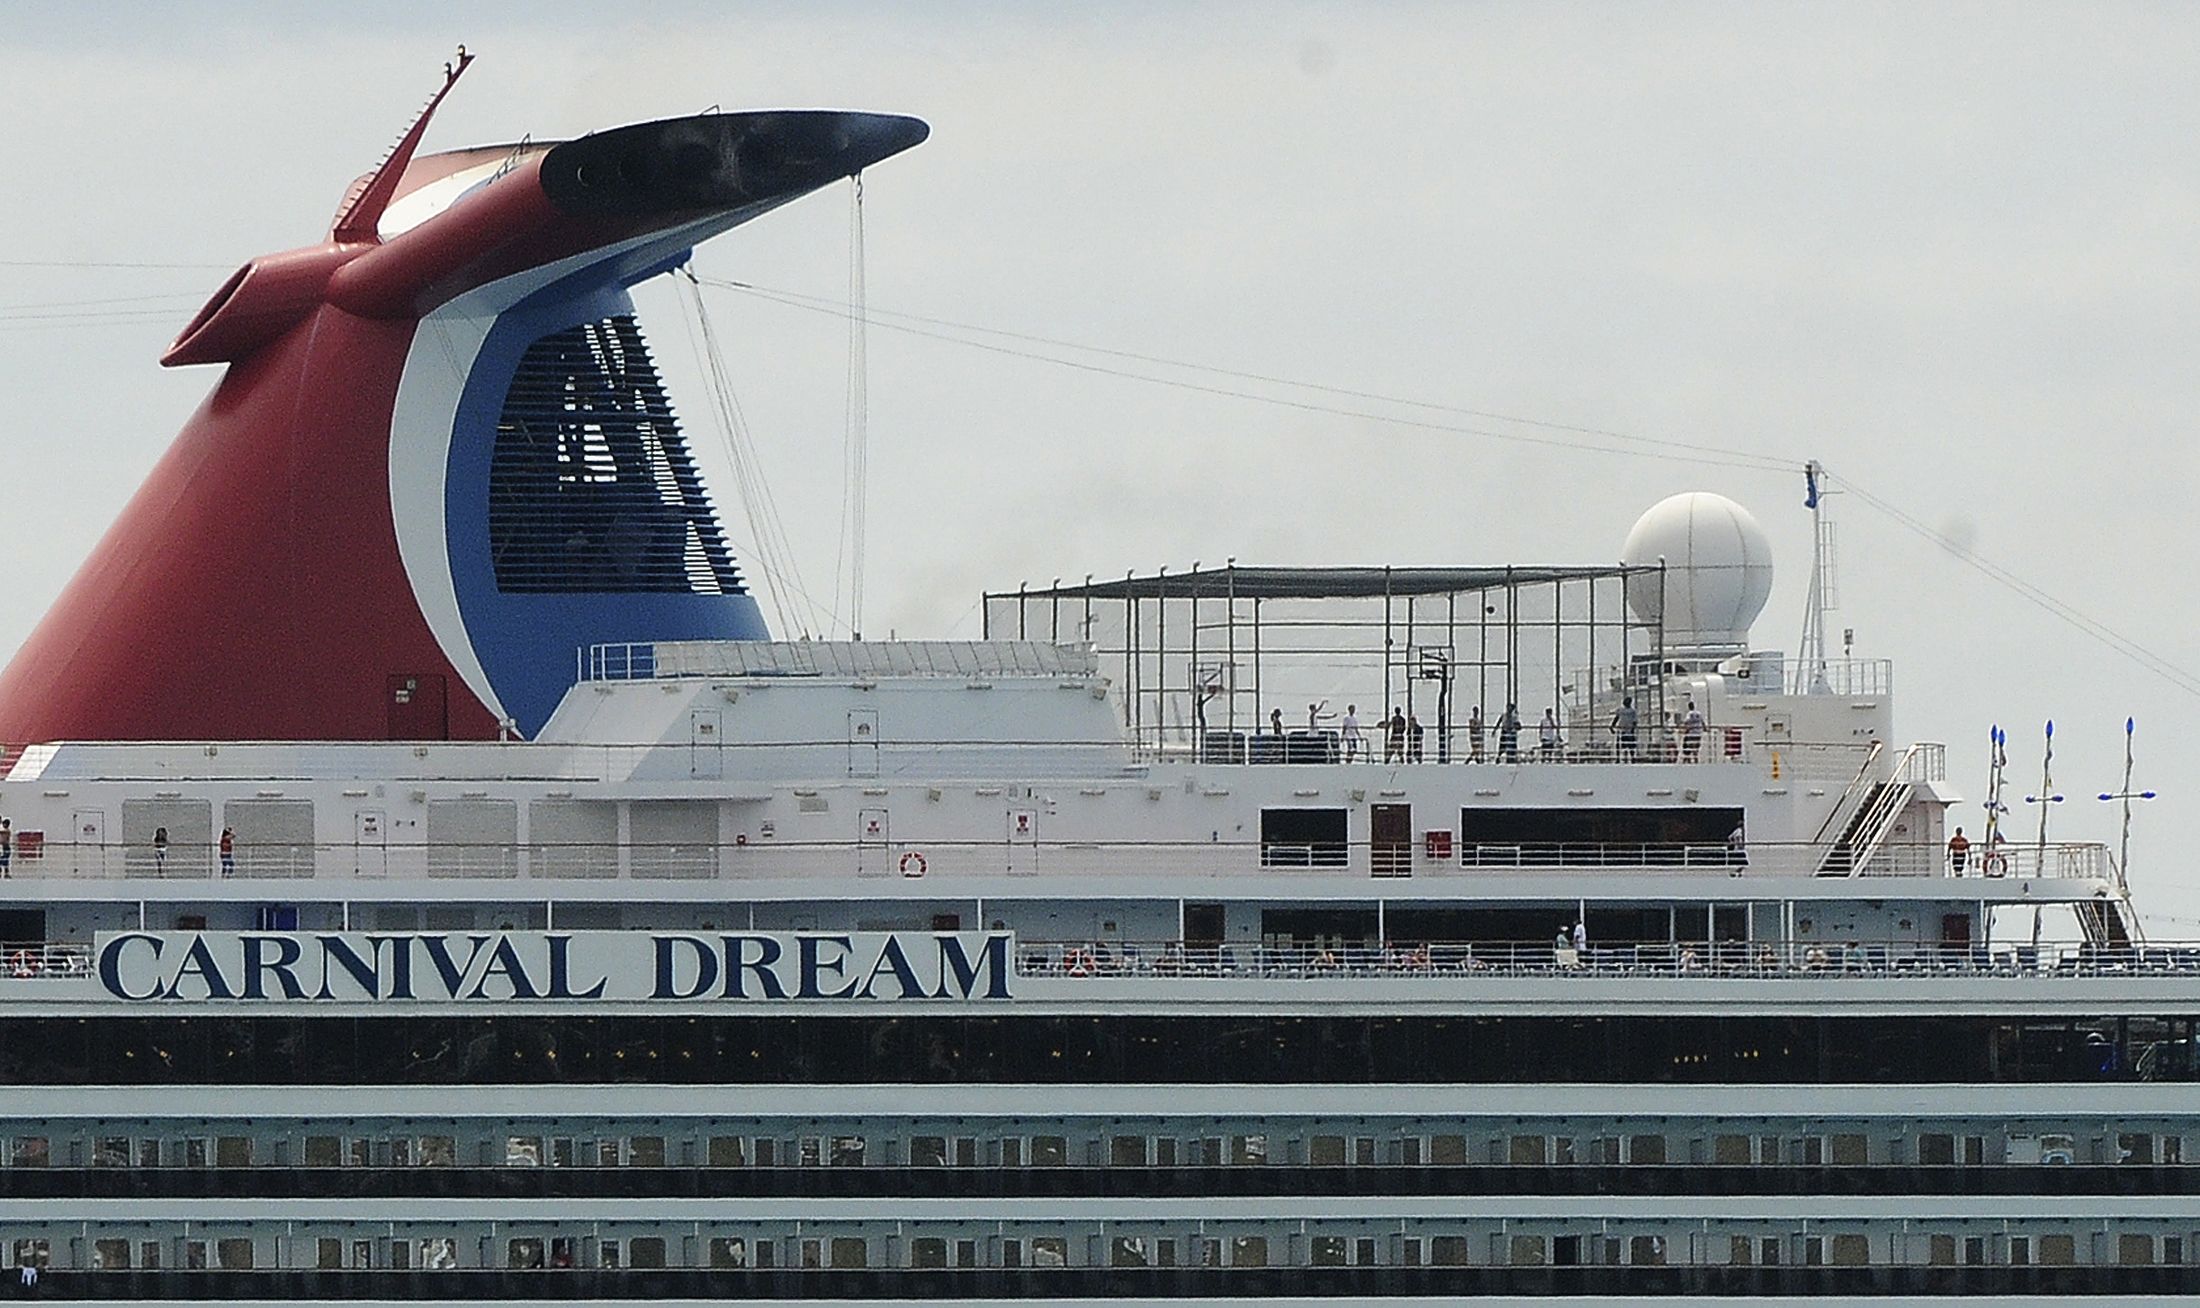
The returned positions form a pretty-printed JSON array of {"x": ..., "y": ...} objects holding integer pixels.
[
  {"x": 1729, "y": 959},
  {"x": 1725, "y": 959},
  {"x": 1841, "y": 677},
  {"x": 911, "y": 858}
]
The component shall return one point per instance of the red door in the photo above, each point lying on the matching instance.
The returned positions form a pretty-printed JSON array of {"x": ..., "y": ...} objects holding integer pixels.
[{"x": 418, "y": 707}]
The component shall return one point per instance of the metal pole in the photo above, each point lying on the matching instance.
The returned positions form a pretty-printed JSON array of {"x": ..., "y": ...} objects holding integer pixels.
[
  {"x": 1389, "y": 650},
  {"x": 1590, "y": 658},
  {"x": 1229, "y": 638},
  {"x": 1161, "y": 655}
]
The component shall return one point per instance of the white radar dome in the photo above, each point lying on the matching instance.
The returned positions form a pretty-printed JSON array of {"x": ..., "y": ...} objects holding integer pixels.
[{"x": 1718, "y": 570}]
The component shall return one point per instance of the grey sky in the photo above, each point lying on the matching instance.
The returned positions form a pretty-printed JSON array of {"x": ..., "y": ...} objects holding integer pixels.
[{"x": 1949, "y": 250}]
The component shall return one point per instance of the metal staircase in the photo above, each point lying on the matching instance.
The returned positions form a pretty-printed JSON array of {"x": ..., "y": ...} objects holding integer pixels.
[{"x": 1871, "y": 808}]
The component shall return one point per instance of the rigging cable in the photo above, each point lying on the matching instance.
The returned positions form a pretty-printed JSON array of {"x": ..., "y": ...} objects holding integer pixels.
[
  {"x": 895, "y": 321},
  {"x": 774, "y": 557},
  {"x": 1548, "y": 433},
  {"x": 855, "y": 439}
]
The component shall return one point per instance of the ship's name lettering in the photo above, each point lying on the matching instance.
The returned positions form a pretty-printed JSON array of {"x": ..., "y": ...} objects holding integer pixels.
[{"x": 494, "y": 966}]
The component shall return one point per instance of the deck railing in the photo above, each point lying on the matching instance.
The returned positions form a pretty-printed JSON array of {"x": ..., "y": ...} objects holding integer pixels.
[
  {"x": 1437, "y": 854},
  {"x": 1733, "y": 960},
  {"x": 747, "y": 860}
]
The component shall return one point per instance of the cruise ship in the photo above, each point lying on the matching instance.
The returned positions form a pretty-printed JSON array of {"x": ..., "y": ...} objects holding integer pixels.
[{"x": 427, "y": 879}]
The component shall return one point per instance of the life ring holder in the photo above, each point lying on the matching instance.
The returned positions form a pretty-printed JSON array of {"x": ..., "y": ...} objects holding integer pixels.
[{"x": 912, "y": 863}]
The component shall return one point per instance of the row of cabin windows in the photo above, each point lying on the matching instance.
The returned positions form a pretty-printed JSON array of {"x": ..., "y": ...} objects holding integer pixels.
[
  {"x": 1726, "y": 1149},
  {"x": 809, "y": 1252}
]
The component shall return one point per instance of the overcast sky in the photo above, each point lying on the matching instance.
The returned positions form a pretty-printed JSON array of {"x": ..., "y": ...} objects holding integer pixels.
[{"x": 1948, "y": 249}]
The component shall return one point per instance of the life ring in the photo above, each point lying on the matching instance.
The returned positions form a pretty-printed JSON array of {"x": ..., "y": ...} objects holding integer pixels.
[
  {"x": 19, "y": 964},
  {"x": 1997, "y": 864},
  {"x": 1079, "y": 963},
  {"x": 912, "y": 864}
]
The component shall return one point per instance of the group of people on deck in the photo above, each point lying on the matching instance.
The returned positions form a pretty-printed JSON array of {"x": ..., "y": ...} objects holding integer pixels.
[
  {"x": 1403, "y": 735},
  {"x": 1402, "y": 732}
]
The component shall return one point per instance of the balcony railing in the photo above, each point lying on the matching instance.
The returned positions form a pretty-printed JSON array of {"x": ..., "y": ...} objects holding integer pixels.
[
  {"x": 1711, "y": 960},
  {"x": 1730, "y": 960}
]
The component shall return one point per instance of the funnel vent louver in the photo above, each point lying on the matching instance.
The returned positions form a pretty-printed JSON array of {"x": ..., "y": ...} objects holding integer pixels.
[{"x": 591, "y": 487}]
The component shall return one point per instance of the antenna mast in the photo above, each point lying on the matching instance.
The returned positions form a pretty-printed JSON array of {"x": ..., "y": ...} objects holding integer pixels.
[{"x": 1812, "y": 650}]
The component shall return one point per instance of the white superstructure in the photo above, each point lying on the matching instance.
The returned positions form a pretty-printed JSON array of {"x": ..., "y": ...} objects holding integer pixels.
[{"x": 1048, "y": 966}]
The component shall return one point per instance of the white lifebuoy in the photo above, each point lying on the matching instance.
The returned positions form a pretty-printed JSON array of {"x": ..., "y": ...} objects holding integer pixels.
[{"x": 912, "y": 864}]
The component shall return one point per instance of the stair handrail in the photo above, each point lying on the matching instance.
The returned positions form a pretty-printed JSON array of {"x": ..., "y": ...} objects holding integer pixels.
[
  {"x": 1857, "y": 787},
  {"x": 1871, "y": 825},
  {"x": 1878, "y": 822}
]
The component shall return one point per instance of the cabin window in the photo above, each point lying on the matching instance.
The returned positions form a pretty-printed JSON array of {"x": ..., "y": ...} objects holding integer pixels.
[
  {"x": 727, "y": 1151},
  {"x": 233, "y": 1255},
  {"x": 1302, "y": 837},
  {"x": 733, "y": 1252},
  {"x": 473, "y": 838},
  {"x": 649, "y": 1251},
  {"x": 1678, "y": 836},
  {"x": 113, "y": 1253},
  {"x": 1129, "y": 1251},
  {"x": 1049, "y": 1251},
  {"x": 1249, "y": 1251},
  {"x": 274, "y": 837}
]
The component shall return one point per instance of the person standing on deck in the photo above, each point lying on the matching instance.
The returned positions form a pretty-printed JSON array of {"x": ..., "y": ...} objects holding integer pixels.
[
  {"x": 1351, "y": 733},
  {"x": 1474, "y": 735},
  {"x": 1624, "y": 724},
  {"x": 1959, "y": 851}
]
